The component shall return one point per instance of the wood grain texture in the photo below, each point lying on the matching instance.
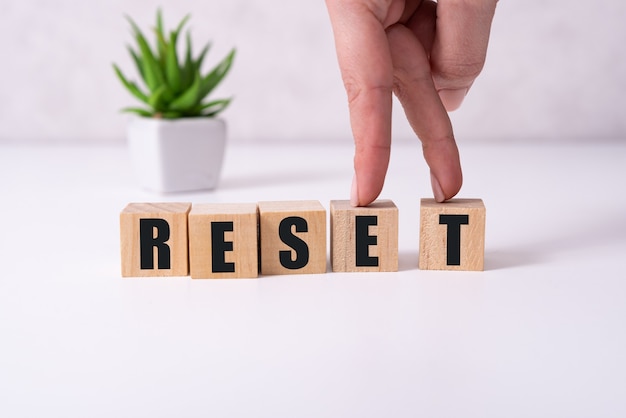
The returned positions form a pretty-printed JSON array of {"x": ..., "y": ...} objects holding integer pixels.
[
  {"x": 175, "y": 215},
  {"x": 223, "y": 241},
  {"x": 370, "y": 247},
  {"x": 434, "y": 235},
  {"x": 302, "y": 250}
]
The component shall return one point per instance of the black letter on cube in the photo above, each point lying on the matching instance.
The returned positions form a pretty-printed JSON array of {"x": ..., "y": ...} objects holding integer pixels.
[
  {"x": 454, "y": 223},
  {"x": 364, "y": 240},
  {"x": 299, "y": 246},
  {"x": 147, "y": 242},
  {"x": 219, "y": 247}
]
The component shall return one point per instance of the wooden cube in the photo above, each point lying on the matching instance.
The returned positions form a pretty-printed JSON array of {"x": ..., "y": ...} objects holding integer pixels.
[
  {"x": 223, "y": 241},
  {"x": 364, "y": 238},
  {"x": 452, "y": 235},
  {"x": 293, "y": 237},
  {"x": 154, "y": 239}
]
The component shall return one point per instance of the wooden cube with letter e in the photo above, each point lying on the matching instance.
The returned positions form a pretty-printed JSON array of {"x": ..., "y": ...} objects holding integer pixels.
[
  {"x": 364, "y": 239},
  {"x": 154, "y": 239},
  {"x": 293, "y": 237},
  {"x": 223, "y": 241},
  {"x": 452, "y": 235}
]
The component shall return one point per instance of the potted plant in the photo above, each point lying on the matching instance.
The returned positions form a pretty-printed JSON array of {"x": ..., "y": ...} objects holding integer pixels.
[{"x": 176, "y": 142}]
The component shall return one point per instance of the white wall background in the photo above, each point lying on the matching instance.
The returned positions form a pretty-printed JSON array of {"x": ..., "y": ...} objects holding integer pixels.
[{"x": 556, "y": 70}]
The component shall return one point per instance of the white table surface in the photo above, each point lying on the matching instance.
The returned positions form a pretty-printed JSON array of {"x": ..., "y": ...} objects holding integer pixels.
[{"x": 540, "y": 333}]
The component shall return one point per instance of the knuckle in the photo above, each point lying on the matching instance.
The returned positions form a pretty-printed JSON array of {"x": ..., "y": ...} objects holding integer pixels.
[
  {"x": 462, "y": 70},
  {"x": 397, "y": 84},
  {"x": 357, "y": 90},
  {"x": 353, "y": 90},
  {"x": 399, "y": 89}
]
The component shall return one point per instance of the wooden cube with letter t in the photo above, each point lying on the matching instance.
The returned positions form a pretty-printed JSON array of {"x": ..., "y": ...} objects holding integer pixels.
[
  {"x": 452, "y": 235},
  {"x": 154, "y": 239},
  {"x": 223, "y": 241},
  {"x": 364, "y": 238},
  {"x": 293, "y": 237}
]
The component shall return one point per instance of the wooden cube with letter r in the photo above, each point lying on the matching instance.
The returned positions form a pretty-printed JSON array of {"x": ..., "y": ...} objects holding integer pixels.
[
  {"x": 154, "y": 239},
  {"x": 452, "y": 235},
  {"x": 364, "y": 239},
  {"x": 293, "y": 237},
  {"x": 223, "y": 241}
]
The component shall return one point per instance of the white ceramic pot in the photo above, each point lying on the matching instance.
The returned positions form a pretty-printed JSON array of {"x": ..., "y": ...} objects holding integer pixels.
[{"x": 177, "y": 155}]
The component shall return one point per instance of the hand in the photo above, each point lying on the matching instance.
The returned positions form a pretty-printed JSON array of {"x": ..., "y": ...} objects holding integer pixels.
[{"x": 428, "y": 53}]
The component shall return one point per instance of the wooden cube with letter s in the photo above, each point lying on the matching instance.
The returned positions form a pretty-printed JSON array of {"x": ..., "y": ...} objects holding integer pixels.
[{"x": 293, "y": 237}]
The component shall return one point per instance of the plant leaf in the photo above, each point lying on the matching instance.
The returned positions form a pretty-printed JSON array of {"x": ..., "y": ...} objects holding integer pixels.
[
  {"x": 200, "y": 59},
  {"x": 177, "y": 76},
  {"x": 139, "y": 111},
  {"x": 174, "y": 35},
  {"x": 137, "y": 61},
  {"x": 211, "y": 109},
  {"x": 162, "y": 47},
  {"x": 156, "y": 99},
  {"x": 130, "y": 86},
  {"x": 172, "y": 68},
  {"x": 189, "y": 98},
  {"x": 159, "y": 21},
  {"x": 216, "y": 75},
  {"x": 188, "y": 69},
  {"x": 160, "y": 35},
  {"x": 215, "y": 103},
  {"x": 181, "y": 24},
  {"x": 153, "y": 73}
]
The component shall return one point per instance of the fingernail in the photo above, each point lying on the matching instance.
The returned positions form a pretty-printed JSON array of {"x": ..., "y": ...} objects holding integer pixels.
[
  {"x": 452, "y": 99},
  {"x": 437, "y": 190},
  {"x": 354, "y": 193}
]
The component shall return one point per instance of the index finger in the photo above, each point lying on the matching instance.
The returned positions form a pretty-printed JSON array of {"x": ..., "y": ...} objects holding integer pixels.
[{"x": 367, "y": 73}]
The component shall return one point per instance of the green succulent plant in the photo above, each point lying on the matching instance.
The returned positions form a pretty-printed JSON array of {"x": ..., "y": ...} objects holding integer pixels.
[{"x": 174, "y": 87}]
